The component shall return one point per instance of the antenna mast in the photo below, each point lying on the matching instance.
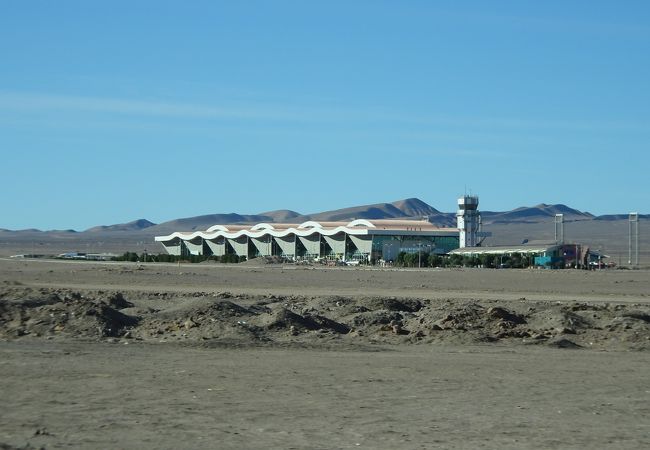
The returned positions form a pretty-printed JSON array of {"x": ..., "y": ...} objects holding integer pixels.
[{"x": 633, "y": 248}]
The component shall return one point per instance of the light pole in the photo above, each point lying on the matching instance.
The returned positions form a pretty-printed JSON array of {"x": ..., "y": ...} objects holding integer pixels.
[
  {"x": 600, "y": 261},
  {"x": 633, "y": 239}
]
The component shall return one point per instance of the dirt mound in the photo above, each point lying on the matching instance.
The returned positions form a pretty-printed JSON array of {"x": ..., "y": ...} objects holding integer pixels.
[
  {"x": 380, "y": 317},
  {"x": 503, "y": 314},
  {"x": 464, "y": 317},
  {"x": 285, "y": 319},
  {"x": 394, "y": 304},
  {"x": 71, "y": 315},
  {"x": 223, "y": 317},
  {"x": 329, "y": 324},
  {"x": 223, "y": 309},
  {"x": 639, "y": 315},
  {"x": 118, "y": 301},
  {"x": 564, "y": 343}
]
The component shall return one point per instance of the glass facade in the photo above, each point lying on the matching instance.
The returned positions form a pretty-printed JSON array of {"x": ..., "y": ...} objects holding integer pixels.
[
  {"x": 352, "y": 253},
  {"x": 389, "y": 246}
]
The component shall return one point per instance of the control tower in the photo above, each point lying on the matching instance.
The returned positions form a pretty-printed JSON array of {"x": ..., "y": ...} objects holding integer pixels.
[{"x": 469, "y": 221}]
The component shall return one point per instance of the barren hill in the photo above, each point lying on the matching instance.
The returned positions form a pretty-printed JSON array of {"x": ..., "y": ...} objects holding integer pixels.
[
  {"x": 538, "y": 213},
  {"x": 414, "y": 207},
  {"x": 376, "y": 211},
  {"x": 282, "y": 215},
  {"x": 135, "y": 225},
  {"x": 206, "y": 221}
]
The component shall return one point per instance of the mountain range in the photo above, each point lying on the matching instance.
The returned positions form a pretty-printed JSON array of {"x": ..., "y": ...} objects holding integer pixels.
[{"x": 411, "y": 208}]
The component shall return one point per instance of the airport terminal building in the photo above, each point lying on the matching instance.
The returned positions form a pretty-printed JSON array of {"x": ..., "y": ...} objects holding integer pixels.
[
  {"x": 357, "y": 240},
  {"x": 374, "y": 241}
]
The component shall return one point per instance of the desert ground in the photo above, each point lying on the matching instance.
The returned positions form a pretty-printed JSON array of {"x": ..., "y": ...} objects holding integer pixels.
[{"x": 127, "y": 355}]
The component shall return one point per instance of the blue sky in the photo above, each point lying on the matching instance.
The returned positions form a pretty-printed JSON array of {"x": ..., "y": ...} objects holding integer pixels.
[{"x": 113, "y": 111}]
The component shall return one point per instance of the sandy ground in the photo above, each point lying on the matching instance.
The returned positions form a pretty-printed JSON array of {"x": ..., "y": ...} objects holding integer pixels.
[{"x": 215, "y": 356}]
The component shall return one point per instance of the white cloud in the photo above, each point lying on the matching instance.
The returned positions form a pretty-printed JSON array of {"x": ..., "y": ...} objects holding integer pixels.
[
  {"x": 47, "y": 102},
  {"x": 351, "y": 116}
]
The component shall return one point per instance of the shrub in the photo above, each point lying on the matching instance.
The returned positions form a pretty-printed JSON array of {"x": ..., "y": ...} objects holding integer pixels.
[{"x": 434, "y": 261}]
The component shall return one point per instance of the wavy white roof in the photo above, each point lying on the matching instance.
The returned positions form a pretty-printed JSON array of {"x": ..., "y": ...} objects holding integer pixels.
[{"x": 355, "y": 227}]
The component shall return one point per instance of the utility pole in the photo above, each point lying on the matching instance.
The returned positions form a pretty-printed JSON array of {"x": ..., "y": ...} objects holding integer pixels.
[
  {"x": 633, "y": 239},
  {"x": 559, "y": 228}
]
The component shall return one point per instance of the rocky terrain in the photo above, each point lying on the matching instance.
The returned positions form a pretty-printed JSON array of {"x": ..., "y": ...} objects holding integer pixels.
[{"x": 243, "y": 320}]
